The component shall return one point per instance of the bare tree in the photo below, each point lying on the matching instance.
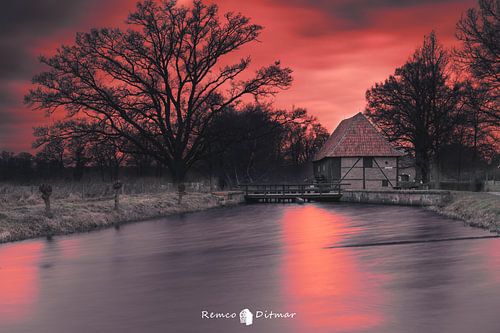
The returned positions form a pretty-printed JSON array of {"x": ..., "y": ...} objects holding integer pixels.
[
  {"x": 108, "y": 156},
  {"x": 258, "y": 143},
  {"x": 46, "y": 191},
  {"x": 302, "y": 137},
  {"x": 51, "y": 156},
  {"x": 160, "y": 83},
  {"x": 416, "y": 106},
  {"x": 63, "y": 137},
  {"x": 479, "y": 31},
  {"x": 477, "y": 128}
]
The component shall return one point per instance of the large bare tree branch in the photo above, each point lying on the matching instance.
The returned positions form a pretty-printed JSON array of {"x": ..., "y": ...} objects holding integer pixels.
[{"x": 159, "y": 82}]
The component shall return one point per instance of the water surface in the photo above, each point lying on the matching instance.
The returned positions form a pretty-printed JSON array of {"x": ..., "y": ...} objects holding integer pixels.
[{"x": 158, "y": 276}]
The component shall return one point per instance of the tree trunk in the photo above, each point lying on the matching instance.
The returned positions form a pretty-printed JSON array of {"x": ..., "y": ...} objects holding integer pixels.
[
  {"x": 178, "y": 170},
  {"x": 117, "y": 199},
  {"x": 117, "y": 186},
  {"x": 181, "y": 190},
  {"x": 422, "y": 164},
  {"x": 46, "y": 191},
  {"x": 46, "y": 200}
]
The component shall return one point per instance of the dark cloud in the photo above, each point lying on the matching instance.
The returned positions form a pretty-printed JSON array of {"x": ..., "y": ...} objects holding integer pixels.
[
  {"x": 35, "y": 17},
  {"x": 6, "y": 117},
  {"x": 16, "y": 61},
  {"x": 9, "y": 123},
  {"x": 358, "y": 14},
  {"x": 24, "y": 26},
  {"x": 24, "y": 22}
]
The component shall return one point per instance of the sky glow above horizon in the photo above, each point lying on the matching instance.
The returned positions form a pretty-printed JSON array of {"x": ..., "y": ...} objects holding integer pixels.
[{"x": 337, "y": 48}]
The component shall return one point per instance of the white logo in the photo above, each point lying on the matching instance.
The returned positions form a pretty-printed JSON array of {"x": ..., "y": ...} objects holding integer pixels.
[{"x": 246, "y": 317}]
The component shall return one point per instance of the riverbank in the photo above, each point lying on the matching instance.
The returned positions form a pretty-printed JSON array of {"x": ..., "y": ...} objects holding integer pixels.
[
  {"x": 478, "y": 209},
  {"x": 26, "y": 218},
  {"x": 70, "y": 215},
  {"x": 418, "y": 198}
]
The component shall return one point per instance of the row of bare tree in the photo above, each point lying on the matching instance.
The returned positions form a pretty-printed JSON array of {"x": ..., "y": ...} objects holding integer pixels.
[
  {"x": 168, "y": 92},
  {"x": 159, "y": 85},
  {"x": 165, "y": 92},
  {"x": 252, "y": 144},
  {"x": 446, "y": 98}
]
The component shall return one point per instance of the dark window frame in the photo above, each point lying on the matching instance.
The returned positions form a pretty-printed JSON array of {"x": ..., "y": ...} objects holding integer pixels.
[{"x": 367, "y": 162}]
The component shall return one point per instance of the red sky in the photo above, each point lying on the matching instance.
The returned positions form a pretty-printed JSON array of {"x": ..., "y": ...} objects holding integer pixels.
[{"x": 336, "y": 48}]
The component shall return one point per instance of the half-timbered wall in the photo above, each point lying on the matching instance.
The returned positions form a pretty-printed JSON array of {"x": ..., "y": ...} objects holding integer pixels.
[{"x": 359, "y": 172}]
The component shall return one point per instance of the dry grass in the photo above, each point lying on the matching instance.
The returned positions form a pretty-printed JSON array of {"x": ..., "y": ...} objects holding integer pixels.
[
  {"x": 479, "y": 209},
  {"x": 23, "y": 216},
  {"x": 21, "y": 195}
]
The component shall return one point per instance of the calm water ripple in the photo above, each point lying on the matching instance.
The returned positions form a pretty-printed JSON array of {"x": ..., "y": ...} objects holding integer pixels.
[{"x": 158, "y": 276}]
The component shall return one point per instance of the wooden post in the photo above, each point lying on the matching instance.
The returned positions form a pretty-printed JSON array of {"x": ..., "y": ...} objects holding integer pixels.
[
  {"x": 181, "y": 189},
  {"x": 46, "y": 191},
  {"x": 397, "y": 171},
  {"x": 364, "y": 176},
  {"x": 117, "y": 187}
]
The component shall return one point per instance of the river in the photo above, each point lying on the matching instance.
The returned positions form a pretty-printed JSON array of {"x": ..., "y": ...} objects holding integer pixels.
[{"x": 158, "y": 276}]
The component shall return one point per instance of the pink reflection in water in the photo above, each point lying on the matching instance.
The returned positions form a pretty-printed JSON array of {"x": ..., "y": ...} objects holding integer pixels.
[
  {"x": 491, "y": 252},
  {"x": 19, "y": 285},
  {"x": 327, "y": 288}
]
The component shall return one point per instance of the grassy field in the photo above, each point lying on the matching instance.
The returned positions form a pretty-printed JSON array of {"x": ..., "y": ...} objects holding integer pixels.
[
  {"x": 22, "y": 212},
  {"x": 12, "y": 194},
  {"x": 78, "y": 207},
  {"x": 479, "y": 209}
]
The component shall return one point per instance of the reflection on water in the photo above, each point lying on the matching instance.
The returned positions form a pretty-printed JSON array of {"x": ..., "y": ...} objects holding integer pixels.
[
  {"x": 18, "y": 280},
  {"x": 325, "y": 289},
  {"x": 158, "y": 276}
]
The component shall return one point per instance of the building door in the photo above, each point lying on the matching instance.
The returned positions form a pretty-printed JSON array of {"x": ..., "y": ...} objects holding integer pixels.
[{"x": 334, "y": 172}]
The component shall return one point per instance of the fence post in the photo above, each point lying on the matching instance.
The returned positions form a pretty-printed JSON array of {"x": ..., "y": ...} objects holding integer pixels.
[
  {"x": 46, "y": 191},
  {"x": 181, "y": 189},
  {"x": 117, "y": 186}
]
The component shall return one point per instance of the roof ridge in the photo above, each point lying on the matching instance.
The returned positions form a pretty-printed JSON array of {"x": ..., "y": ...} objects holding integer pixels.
[
  {"x": 380, "y": 134},
  {"x": 345, "y": 132},
  {"x": 355, "y": 136},
  {"x": 325, "y": 150}
]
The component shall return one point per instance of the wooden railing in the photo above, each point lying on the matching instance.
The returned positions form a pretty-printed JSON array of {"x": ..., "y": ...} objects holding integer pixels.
[{"x": 315, "y": 188}]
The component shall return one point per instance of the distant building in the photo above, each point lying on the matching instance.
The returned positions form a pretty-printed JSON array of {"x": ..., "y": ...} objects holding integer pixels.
[
  {"x": 357, "y": 154},
  {"x": 407, "y": 170}
]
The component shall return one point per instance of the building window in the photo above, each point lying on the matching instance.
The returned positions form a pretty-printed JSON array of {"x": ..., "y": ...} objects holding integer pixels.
[
  {"x": 404, "y": 177},
  {"x": 385, "y": 183},
  {"x": 367, "y": 162}
]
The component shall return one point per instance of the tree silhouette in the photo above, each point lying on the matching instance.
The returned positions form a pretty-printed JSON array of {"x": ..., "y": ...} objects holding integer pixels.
[
  {"x": 303, "y": 138},
  {"x": 160, "y": 83},
  {"x": 416, "y": 106},
  {"x": 479, "y": 31},
  {"x": 258, "y": 143},
  {"x": 477, "y": 118}
]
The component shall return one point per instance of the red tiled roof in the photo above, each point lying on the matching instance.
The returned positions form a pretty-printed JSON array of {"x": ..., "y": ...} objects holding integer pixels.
[{"x": 356, "y": 136}]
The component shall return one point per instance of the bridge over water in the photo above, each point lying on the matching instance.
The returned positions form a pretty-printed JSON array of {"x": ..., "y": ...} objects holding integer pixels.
[{"x": 292, "y": 192}]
